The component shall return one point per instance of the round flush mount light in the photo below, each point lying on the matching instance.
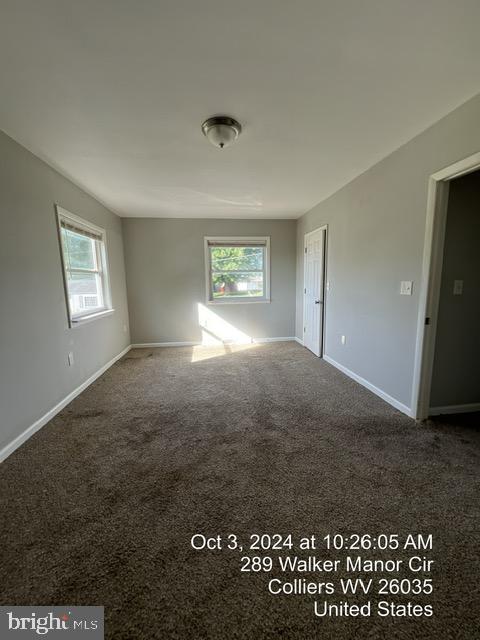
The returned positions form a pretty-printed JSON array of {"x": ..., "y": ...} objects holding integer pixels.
[{"x": 221, "y": 131}]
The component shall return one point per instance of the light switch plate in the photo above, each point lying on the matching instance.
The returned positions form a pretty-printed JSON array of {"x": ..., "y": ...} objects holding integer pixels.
[
  {"x": 406, "y": 288},
  {"x": 457, "y": 287}
]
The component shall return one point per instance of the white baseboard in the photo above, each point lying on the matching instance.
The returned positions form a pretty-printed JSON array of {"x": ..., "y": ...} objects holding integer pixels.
[
  {"x": 19, "y": 440},
  {"x": 381, "y": 394},
  {"x": 265, "y": 340},
  {"x": 146, "y": 345},
  {"x": 299, "y": 340},
  {"x": 454, "y": 408},
  {"x": 25, "y": 435}
]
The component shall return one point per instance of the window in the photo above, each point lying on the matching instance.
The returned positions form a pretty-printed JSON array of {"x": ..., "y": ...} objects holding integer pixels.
[
  {"x": 85, "y": 267},
  {"x": 237, "y": 270}
]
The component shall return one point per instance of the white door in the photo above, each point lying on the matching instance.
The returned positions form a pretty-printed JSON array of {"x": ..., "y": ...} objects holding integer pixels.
[{"x": 314, "y": 290}]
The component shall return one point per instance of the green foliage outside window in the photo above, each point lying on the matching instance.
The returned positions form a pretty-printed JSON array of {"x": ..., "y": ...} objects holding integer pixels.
[{"x": 237, "y": 271}]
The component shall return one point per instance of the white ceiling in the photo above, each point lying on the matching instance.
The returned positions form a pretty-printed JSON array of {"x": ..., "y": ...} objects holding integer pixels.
[{"x": 112, "y": 93}]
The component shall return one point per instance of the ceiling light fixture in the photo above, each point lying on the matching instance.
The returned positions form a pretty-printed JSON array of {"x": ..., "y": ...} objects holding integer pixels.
[{"x": 221, "y": 131}]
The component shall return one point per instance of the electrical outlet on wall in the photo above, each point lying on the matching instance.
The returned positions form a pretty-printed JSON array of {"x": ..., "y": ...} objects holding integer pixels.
[
  {"x": 457, "y": 287},
  {"x": 406, "y": 288},
  {"x": 343, "y": 339}
]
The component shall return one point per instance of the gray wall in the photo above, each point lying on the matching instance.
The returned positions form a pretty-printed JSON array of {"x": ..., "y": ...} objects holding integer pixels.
[
  {"x": 456, "y": 369},
  {"x": 376, "y": 234},
  {"x": 166, "y": 278},
  {"x": 34, "y": 334}
]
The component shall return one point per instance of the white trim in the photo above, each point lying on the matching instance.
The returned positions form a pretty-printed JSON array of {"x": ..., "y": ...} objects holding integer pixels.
[
  {"x": 299, "y": 340},
  {"x": 81, "y": 320},
  {"x": 324, "y": 275},
  {"x": 63, "y": 213},
  {"x": 454, "y": 408},
  {"x": 216, "y": 303},
  {"x": 368, "y": 385},
  {"x": 146, "y": 345},
  {"x": 265, "y": 340},
  {"x": 437, "y": 201},
  {"x": 265, "y": 240},
  {"x": 36, "y": 426}
]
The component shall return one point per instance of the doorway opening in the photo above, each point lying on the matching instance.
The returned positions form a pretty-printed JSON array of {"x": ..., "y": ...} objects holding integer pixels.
[
  {"x": 314, "y": 289},
  {"x": 434, "y": 282},
  {"x": 455, "y": 386}
]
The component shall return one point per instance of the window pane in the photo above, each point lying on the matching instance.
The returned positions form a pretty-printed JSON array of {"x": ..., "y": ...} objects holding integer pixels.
[
  {"x": 84, "y": 292},
  {"x": 228, "y": 285},
  {"x": 236, "y": 258},
  {"x": 80, "y": 250}
]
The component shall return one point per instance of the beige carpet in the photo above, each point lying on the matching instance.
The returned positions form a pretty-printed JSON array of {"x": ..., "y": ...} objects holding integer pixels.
[{"x": 100, "y": 505}]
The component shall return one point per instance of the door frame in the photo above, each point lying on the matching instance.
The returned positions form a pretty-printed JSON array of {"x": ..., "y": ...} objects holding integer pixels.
[
  {"x": 429, "y": 296},
  {"x": 323, "y": 315}
]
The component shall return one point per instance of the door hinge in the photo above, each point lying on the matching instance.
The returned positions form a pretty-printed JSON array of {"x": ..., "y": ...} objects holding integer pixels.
[
  {"x": 304, "y": 291},
  {"x": 304, "y": 329},
  {"x": 427, "y": 320},
  {"x": 305, "y": 249}
]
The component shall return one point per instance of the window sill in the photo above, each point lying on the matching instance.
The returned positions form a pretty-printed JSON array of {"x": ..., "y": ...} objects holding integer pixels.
[
  {"x": 219, "y": 303},
  {"x": 76, "y": 322}
]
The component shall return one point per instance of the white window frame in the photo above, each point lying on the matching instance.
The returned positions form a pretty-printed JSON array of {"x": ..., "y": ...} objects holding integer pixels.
[
  {"x": 240, "y": 241},
  {"x": 75, "y": 319}
]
